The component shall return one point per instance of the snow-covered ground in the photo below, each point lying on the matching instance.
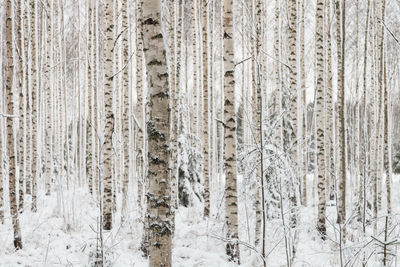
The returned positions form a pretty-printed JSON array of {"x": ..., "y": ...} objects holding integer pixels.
[{"x": 63, "y": 233}]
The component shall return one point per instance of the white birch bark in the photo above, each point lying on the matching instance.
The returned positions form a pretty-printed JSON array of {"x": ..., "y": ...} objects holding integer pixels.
[
  {"x": 206, "y": 126},
  {"x": 340, "y": 41},
  {"x": 304, "y": 146},
  {"x": 34, "y": 73},
  {"x": 10, "y": 131},
  {"x": 21, "y": 106},
  {"x": 107, "y": 146},
  {"x": 158, "y": 129},
  {"x": 319, "y": 109},
  {"x": 231, "y": 204}
]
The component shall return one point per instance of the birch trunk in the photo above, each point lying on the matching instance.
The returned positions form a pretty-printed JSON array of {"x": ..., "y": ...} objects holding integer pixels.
[
  {"x": 363, "y": 137},
  {"x": 373, "y": 113},
  {"x": 357, "y": 102},
  {"x": 257, "y": 106},
  {"x": 34, "y": 91},
  {"x": 28, "y": 124},
  {"x": 48, "y": 90},
  {"x": 387, "y": 141},
  {"x": 340, "y": 40},
  {"x": 140, "y": 153},
  {"x": 278, "y": 100},
  {"x": 292, "y": 43},
  {"x": 22, "y": 98},
  {"x": 158, "y": 128},
  {"x": 321, "y": 227},
  {"x": 195, "y": 92},
  {"x": 330, "y": 121},
  {"x": 10, "y": 131},
  {"x": 90, "y": 88},
  {"x": 109, "y": 115},
  {"x": 126, "y": 105},
  {"x": 206, "y": 127},
  {"x": 304, "y": 146},
  {"x": 231, "y": 204}
]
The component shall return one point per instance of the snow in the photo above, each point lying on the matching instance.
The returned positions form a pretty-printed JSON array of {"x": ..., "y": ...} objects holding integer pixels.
[{"x": 52, "y": 237}]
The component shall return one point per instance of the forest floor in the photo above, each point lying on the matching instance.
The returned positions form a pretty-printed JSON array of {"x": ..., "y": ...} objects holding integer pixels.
[{"x": 64, "y": 233}]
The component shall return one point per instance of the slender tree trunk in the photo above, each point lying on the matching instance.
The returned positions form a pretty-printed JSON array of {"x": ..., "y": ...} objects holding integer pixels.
[
  {"x": 340, "y": 40},
  {"x": 294, "y": 97},
  {"x": 27, "y": 101},
  {"x": 357, "y": 102},
  {"x": 35, "y": 95},
  {"x": 364, "y": 133},
  {"x": 319, "y": 108},
  {"x": 126, "y": 105},
  {"x": 22, "y": 98},
  {"x": 90, "y": 88},
  {"x": 206, "y": 128},
  {"x": 195, "y": 92},
  {"x": 257, "y": 105},
  {"x": 109, "y": 115},
  {"x": 387, "y": 141},
  {"x": 48, "y": 89},
  {"x": 374, "y": 130},
  {"x": 380, "y": 118},
  {"x": 259, "y": 123},
  {"x": 10, "y": 132},
  {"x": 304, "y": 106},
  {"x": 278, "y": 100},
  {"x": 330, "y": 119},
  {"x": 175, "y": 37},
  {"x": 158, "y": 129},
  {"x": 231, "y": 204},
  {"x": 139, "y": 104}
]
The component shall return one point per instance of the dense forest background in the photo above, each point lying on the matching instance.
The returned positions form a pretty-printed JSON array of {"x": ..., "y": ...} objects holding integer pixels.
[{"x": 199, "y": 133}]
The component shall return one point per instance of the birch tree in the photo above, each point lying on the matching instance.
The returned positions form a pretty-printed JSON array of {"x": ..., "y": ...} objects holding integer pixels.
[
  {"x": 10, "y": 131},
  {"x": 140, "y": 153},
  {"x": 158, "y": 130},
  {"x": 231, "y": 204},
  {"x": 34, "y": 92},
  {"x": 329, "y": 122},
  {"x": 304, "y": 106},
  {"x": 109, "y": 115},
  {"x": 206, "y": 127},
  {"x": 126, "y": 99},
  {"x": 319, "y": 109},
  {"x": 340, "y": 41},
  {"x": 21, "y": 106}
]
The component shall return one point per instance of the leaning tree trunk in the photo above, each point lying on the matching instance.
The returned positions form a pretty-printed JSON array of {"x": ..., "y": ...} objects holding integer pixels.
[
  {"x": 109, "y": 115},
  {"x": 158, "y": 129},
  {"x": 319, "y": 46},
  {"x": 10, "y": 132},
  {"x": 231, "y": 204}
]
